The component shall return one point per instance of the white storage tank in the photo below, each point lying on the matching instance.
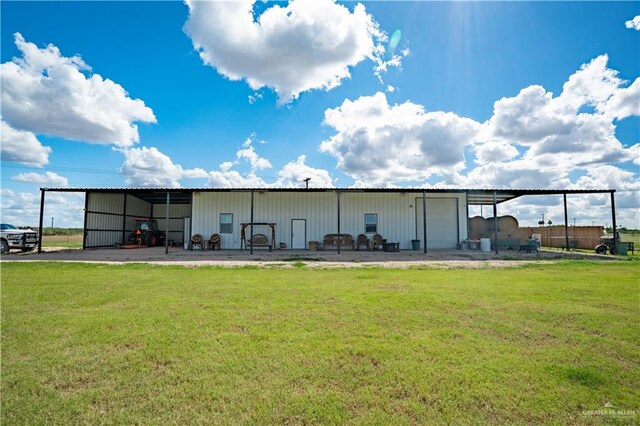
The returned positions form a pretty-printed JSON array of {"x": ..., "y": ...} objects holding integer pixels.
[{"x": 485, "y": 245}]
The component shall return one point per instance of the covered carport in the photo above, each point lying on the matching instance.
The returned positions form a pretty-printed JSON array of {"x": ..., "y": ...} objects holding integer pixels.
[
  {"x": 493, "y": 197},
  {"x": 110, "y": 214}
]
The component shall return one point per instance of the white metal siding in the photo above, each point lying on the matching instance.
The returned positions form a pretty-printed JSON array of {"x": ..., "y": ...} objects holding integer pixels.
[
  {"x": 319, "y": 209},
  {"x": 105, "y": 202},
  {"x": 137, "y": 207},
  {"x": 104, "y": 219},
  {"x": 396, "y": 221},
  {"x": 396, "y": 214},
  {"x": 207, "y": 207}
]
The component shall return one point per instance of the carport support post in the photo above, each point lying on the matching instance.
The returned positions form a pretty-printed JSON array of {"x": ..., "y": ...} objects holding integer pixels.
[
  {"x": 166, "y": 234},
  {"x": 338, "y": 197},
  {"x": 84, "y": 224},
  {"x": 250, "y": 226},
  {"x": 613, "y": 216},
  {"x": 40, "y": 223},
  {"x": 566, "y": 223},
  {"x": 124, "y": 220},
  {"x": 495, "y": 220},
  {"x": 466, "y": 203},
  {"x": 424, "y": 219}
]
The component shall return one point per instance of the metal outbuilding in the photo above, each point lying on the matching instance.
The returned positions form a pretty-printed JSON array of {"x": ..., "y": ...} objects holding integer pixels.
[{"x": 300, "y": 215}]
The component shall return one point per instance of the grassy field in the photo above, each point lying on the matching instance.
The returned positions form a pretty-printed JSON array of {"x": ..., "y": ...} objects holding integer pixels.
[
  {"x": 95, "y": 344},
  {"x": 64, "y": 241}
]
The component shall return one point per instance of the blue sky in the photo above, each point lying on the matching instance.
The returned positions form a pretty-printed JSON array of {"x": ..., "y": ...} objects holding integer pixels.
[{"x": 475, "y": 94}]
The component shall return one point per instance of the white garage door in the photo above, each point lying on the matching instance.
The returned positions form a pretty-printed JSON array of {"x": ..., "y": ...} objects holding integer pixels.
[{"x": 442, "y": 222}]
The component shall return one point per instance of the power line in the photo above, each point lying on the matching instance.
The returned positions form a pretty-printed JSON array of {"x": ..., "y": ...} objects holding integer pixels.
[{"x": 61, "y": 169}]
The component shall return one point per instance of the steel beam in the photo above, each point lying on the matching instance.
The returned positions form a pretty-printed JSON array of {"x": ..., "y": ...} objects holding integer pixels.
[
  {"x": 466, "y": 202},
  {"x": 166, "y": 236},
  {"x": 424, "y": 219},
  {"x": 338, "y": 198},
  {"x": 40, "y": 223},
  {"x": 124, "y": 220},
  {"x": 251, "y": 226},
  {"x": 566, "y": 223},
  {"x": 613, "y": 218},
  {"x": 495, "y": 220}
]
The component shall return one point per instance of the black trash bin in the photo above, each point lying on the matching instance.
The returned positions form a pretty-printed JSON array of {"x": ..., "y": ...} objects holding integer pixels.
[{"x": 415, "y": 244}]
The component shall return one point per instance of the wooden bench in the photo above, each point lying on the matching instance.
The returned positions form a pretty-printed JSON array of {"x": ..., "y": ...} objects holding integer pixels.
[
  {"x": 259, "y": 240},
  {"x": 338, "y": 241}
]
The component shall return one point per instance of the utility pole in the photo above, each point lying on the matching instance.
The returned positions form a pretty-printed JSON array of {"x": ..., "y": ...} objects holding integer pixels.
[
  {"x": 574, "y": 222},
  {"x": 52, "y": 222},
  {"x": 306, "y": 181}
]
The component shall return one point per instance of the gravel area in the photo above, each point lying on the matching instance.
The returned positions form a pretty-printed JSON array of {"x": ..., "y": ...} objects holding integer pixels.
[{"x": 295, "y": 258}]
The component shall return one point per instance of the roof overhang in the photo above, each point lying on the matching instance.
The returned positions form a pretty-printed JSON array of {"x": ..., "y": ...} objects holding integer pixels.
[{"x": 474, "y": 196}]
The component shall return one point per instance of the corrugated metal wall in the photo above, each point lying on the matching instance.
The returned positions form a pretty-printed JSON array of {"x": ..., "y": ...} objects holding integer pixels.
[
  {"x": 396, "y": 214},
  {"x": 318, "y": 208},
  {"x": 136, "y": 209},
  {"x": 207, "y": 207},
  {"x": 104, "y": 219},
  {"x": 396, "y": 217},
  {"x": 177, "y": 213}
]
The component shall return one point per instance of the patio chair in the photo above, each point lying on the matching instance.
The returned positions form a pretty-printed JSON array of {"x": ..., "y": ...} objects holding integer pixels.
[
  {"x": 214, "y": 241},
  {"x": 362, "y": 240},
  {"x": 197, "y": 240},
  {"x": 377, "y": 241}
]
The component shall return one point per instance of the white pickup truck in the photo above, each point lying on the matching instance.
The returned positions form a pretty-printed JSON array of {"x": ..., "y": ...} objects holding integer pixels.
[{"x": 14, "y": 238}]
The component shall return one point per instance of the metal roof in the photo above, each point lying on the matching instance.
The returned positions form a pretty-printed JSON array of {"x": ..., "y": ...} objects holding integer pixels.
[{"x": 475, "y": 196}]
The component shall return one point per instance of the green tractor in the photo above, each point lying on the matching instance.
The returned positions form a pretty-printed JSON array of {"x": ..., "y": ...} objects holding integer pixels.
[{"x": 146, "y": 233}]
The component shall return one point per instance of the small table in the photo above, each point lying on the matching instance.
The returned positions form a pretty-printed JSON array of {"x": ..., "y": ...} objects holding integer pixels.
[
  {"x": 473, "y": 244},
  {"x": 391, "y": 247}
]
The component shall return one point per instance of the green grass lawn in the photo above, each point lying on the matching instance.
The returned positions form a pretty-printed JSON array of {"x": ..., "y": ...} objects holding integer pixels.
[{"x": 96, "y": 344}]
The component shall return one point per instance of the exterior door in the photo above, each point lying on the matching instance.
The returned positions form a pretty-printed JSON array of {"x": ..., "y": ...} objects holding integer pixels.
[{"x": 298, "y": 233}]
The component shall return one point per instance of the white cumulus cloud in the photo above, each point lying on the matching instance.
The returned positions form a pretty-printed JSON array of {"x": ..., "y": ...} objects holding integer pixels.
[
  {"x": 633, "y": 23},
  {"x": 378, "y": 144},
  {"x": 48, "y": 179},
  {"x": 303, "y": 45},
  {"x": 19, "y": 146},
  {"x": 494, "y": 151},
  {"x": 292, "y": 175},
  {"x": 248, "y": 153},
  {"x": 44, "y": 92},
  {"x": 23, "y": 208},
  {"x": 573, "y": 129},
  {"x": 148, "y": 167}
]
